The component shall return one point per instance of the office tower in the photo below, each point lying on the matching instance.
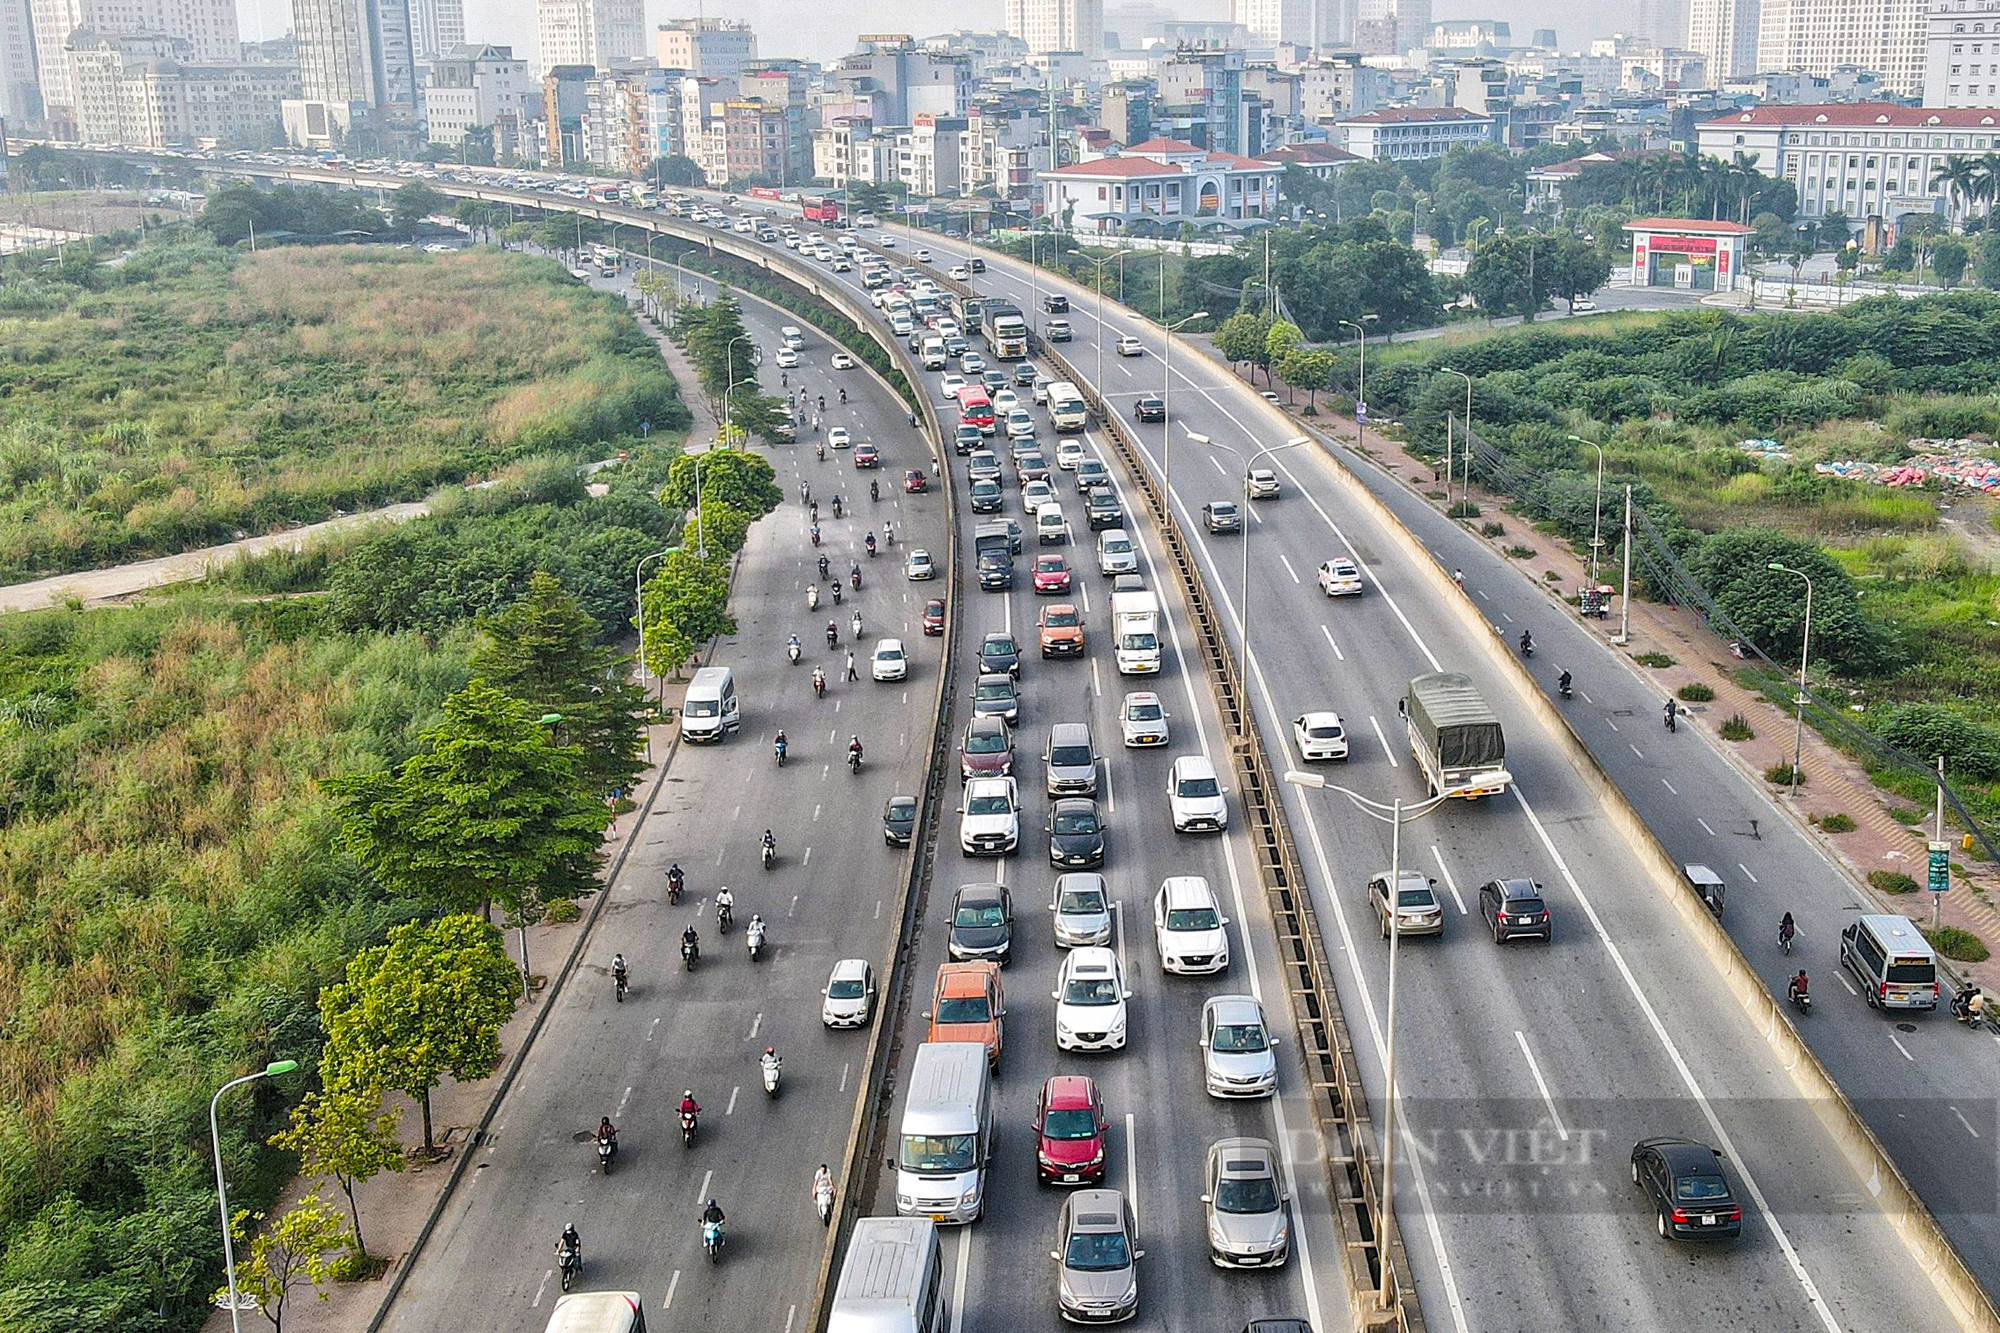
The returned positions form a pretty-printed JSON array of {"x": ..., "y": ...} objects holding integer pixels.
[
  {"x": 357, "y": 53},
  {"x": 714, "y": 48},
  {"x": 208, "y": 27},
  {"x": 1289, "y": 22},
  {"x": 437, "y": 26},
  {"x": 1724, "y": 32},
  {"x": 1818, "y": 36},
  {"x": 1058, "y": 25},
  {"x": 589, "y": 32}
]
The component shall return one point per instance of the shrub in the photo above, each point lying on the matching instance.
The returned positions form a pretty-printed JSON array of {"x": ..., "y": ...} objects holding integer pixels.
[
  {"x": 1490, "y": 529},
  {"x": 1655, "y": 660},
  {"x": 1521, "y": 552},
  {"x": 1550, "y": 576},
  {"x": 1961, "y": 946},
  {"x": 562, "y": 911},
  {"x": 1695, "y": 692},
  {"x": 1783, "y": 775},
  {"x": 1891, "y": 881},
  {"x": 1836, "y": 823},
  {"x": 1929, "y": 730},
  {"x": 1463, "y": 509},
  {"x": 1736, "y": 728}
]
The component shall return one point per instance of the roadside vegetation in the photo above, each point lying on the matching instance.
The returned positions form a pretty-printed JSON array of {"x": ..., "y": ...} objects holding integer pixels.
[
  {"x": 191, "y": 394},
  {"x": 1749, "y": 440}
]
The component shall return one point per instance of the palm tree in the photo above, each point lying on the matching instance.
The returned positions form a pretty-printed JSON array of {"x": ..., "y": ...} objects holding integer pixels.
[
  {"x": 1962, "y": 178},
  {"x": 1987, "y": 184}
]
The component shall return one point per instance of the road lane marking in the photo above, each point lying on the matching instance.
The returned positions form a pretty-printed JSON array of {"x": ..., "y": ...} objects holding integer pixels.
[
  {"x": 542, "y": 1286},
  {"x": 1688, "y": 1080},
  {"x": 1373, "y": 722},
  {"x": 1635, "y": 749},
  {"x": 1536, "y": 1070},
  {"x": 1218, "y": 465},
  {"x": 731, "y": 1108},
  {"x": 622, "y": 1100},
  {"x": 1132, "y": 1174},
  {"x": 1338, "y": 655},
  {"x": 816, "y": 809},
  {"x": 672, "y": 1283},
  {"x": 1286, "y": 563},
  {"x": 878, "y": 909},
  {"x": 1609, "y": 723},
  {"x": 736, "y": 813},
  {"x": 806, "y": 860},
  {"x": 1110, "y": 800},
  {"x": 1704, "y": 826},
  {"x": 1449, "y": 882},
  {"x": 1669, "y": 786},
  {"x": 1963, "y": 1121},
  {"x": 720, "y": 852},
  {"x": 756, "y": 1024},
  {"x": 651, "y": 1028},
  {"x": 1118, "y": 926},
  {"x": 1096, "y": 684},
  {"x": 958, "y": 1280},
  {"x": 1585, "y": 697},
  {"x": 702, "y": 1195},
  {"x": 1746, "y": 871},
  {"x": 791, "y": 1313},
  {"x": 845, "y": 1067},
  {"x": 793, "y": 910},
  {"x": 1904, "y": 1049}
]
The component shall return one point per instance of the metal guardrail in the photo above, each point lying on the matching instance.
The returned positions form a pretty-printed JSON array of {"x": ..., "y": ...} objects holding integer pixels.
[{"x": 1339, "y": 1102}]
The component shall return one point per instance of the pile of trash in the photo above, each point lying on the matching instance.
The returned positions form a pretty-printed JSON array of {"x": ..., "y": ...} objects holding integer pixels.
[
  {"x": 1951, "y": 462},
  {"x": 1764, "y": 448}
]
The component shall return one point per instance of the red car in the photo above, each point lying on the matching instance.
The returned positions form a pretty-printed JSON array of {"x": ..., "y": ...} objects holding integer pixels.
[
  {"x": 1051, "y": 574},
  {"x": 1069, "y": 1132},
  {"x": 934, "y": 616},
  {"x": 867, "y": 455},
  {"x": 915, "y": 479}
]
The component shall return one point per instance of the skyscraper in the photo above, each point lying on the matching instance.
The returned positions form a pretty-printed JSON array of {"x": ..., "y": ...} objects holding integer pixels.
[
  {"x": 1818, "y": 36},
  {"x": 357, "y": 53},
  {"x": 716, "y": 48},
  {"x": 1725, "y": 33},
  {"x": 436, "y": 26},
  {"x": 20, "y": 91},
  {"x": 1293, "y": 22},
  {"x": 1390, "y": 27},
  {"x": 589, "y": 32},
  {"x": 207, "y": 26},
  {"x": 1058, "y": 25}
]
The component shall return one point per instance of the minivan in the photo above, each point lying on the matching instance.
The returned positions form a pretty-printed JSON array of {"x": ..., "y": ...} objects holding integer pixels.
[
  {"x": 946, "y": 1134},
  {"x": 892, "y": 1280},
  {"x": 1051, "y": 528},
  {"x": 1894, "y": 963},
  {"x": 1070, "y": 762},
  {"x": 792, "y": 338},
  {"x": 710, "y": 711}
]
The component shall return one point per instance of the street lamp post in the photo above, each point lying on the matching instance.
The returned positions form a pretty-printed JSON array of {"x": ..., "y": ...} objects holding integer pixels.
[
  {"x": 1097, "y": 281},
  {"x": 1361, "y": 389},
  {"x": 729, "y": 392},
  {"x": 234, "y": 1301},
  {"x": 639, "y": 598},
  {"x": 1805, "y": 651},
  {"x": 1393, "y": 814},
  {"x": 1166, "y": 409},
  {"x": 1243, "y": 605},
  {"x": 1465, "y": 485},
  {"x": 1596, "y": 507}
]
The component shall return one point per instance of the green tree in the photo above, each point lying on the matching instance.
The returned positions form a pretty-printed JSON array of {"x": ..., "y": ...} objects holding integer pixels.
[
  {"x": 678, "y": 172},
  {"x": 1768, "y": 605},
  {"x": 1948, "y": 259},
  {"x": 1511, "y": 275},
  {"x": 868, "y": 197},
  {"x": 346, "y": 1134},
  {"x": 720, "y": 528},
  {"x": 1280, "y": 341},
  {"x": 543, "y": 650},
  {"x": 488, "y": 810},
  {"x": 1576, "y": 269},
  {"x": 292, "y": 1250},
  {"x": 742, "y": 480},
  {"x": 1308, "y": 368},
  {"x": 1240, "y": 338},
  {"x": 412, "y": 203},
  {"x": 665, "y": 648},
  {"x": 428, "y": 1003},
  {"x": 691, "y": 594},
  {"x": 1989, "y": 261}
]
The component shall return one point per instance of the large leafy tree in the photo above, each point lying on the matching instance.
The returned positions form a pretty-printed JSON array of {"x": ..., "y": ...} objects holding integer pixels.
[
  {"x": 412, "y": 203},
  {"x": 490, "y": 809},
  {"x": 543, "y": 651},
  {"x": 692, "y": 595},
  {"x": 1768, "y": 605},
  {"x": 293, "y": 1249},
  {"x": 427, "y": 1004},
  {"x": 1576, "y": 269},
  {"x": 1241, "y": 338},
  {"x": 741, "y": 480}
]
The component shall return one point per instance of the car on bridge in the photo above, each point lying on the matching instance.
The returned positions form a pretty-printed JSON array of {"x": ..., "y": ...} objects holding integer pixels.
[
  {"x": 1690, "y": 1194},
  {"x": 1150, "y": 407}
]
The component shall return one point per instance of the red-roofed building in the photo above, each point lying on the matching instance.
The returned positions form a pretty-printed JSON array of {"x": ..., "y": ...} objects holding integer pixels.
[
  {"x": 1412, "y": 133},
  {"x": 1317, "y": 159},
  {"x": 1162, "y": 182},
  {"x": 1689, "y": 254},
  {"x": 1864, "y": 159}
]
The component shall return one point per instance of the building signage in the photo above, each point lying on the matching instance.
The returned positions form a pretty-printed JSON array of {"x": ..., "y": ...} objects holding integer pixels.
[{"x": 1682, "y": 245}]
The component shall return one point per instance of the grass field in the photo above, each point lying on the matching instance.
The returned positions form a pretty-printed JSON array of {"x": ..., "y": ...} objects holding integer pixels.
[{"x": 197, "y": 395}]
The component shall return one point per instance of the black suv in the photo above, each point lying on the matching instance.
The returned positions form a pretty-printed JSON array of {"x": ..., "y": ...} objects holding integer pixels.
[
  {"x": 1514, "y": 907},
  {"x": 1150, "y": 408},
  {"x": 1055, "y": 303},
  {"x": 1103, "y": 510}
]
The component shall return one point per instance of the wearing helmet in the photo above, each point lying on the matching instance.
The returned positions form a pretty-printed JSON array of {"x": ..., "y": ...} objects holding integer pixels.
[
  {"x": 770, "y": 1050},
  {"x": 689, "y": 1094}
]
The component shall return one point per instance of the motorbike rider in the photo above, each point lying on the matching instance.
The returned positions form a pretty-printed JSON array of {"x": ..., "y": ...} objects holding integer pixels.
[
  {"x": 822, "y": 1182},
  {"x": 753, "y": 934},
  {"x": 843, "y": 395},
  {"x": 822, "y": 402},
  {"x": 770, "y": 1060},
  {"x": 1967, "y": 1001},
  {"x": 770, "y": 841},
  {"x": 1527, "y": 643},
  {"x": 854, "y": 625},
  {"x": 607, "y": 1133},
  {"x": 618, "y": 973},
  {"x": 689, "y": 1107},
  {"x": 821, "y": 446},
  {"x": 874, "y": 490},
  {"x": 676, "y": 878},
  {"x": 1796, "y": 988},
  {"x": 812, "y": 597},
  {"x": 869, "y": 542},
  {"x": 832, "y": 635},
  {"x": 805, "y": 492},
  {"x": 1671, "y": 711},
  {"x": 822, "y": 566},
  {"x": 712, "y": 1215},
  {"x": 1562, "y": 684},
  {"x": 690, "y": 942},
  {"x": 814, "y": 508},
  {"x": 836, "y": 594},
  {"x": 569, "y": 1245},
  {"x": 836, "y": 506},
  {"x": 814, "y": 531},
  {"x": 853, "y": 749},
  {"x": 819, "y": 682},
  {"x": 1786, "y": 928},
  {"x": 779, "y": 743},
  {"x": 792, "y": 647},
  {"x": 725, "y": 904}
]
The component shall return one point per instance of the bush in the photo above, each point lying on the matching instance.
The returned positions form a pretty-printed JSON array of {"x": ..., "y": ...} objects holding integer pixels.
[
  {"x": 1463, "y": 509},
  {"x": 1836, "y": 823},
  {"x": 1929, "y": 730},
  {"x": 1695, "y": 692},
  {"x": 1490, "y": 529},
  {"x": 1655, "y": 660},
  {"x": 1961, "y": 946},
  {"x": 1891, "y": 881},
  {"x": 1521, "y": 552},
  {"x": 562, "y": 911},
  {"x": 1736, "y": 728},
  {"x": 1782, "y": 775}
]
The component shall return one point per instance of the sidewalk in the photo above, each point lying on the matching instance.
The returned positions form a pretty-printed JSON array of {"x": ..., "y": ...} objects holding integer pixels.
[{"x": 1835, "y": 783}]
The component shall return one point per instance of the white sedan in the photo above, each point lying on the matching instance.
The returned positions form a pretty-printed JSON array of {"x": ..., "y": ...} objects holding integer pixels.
[
  {"x": 838, "y": 437},
  {"x": 842, "y": 361},
  {"x": 787, "y": 359},
  {"x": 949, "y": 386},
  {"x": 1340, "y": 578},
  {"x": 1131, "y": 346},
  {"x": 889, "y": 661},
  {"x": 918, "y": 565},
  {"x": 1320, "y": 736}
]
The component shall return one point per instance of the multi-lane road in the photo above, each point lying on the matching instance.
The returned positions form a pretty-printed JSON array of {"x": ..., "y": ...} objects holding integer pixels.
[{"x": 1525, "y": 1073}]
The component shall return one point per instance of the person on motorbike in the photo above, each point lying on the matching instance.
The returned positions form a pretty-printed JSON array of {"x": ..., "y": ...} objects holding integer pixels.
[
  {"x": 607, "y": 1133},
  {"x": 843, "y": 395},
  {"x": 812, "y": 597},
  {"x": 874, "y": 490},
  {"x": 569, "y": 1245},
  {"x": 836, "y": 506},
  {"x": 814, "y": 530},
  {"x": 711, "y": 1216},
  {"x": 1671, "y": 712},
  {"x": 754, "y": 932},
  {"x": 1967, "y": 1001},
  {"x": 1527, "y": 643},
  {"x": 676, "y": 879},
  {"x": 805, "y": 492},
  {"x": 822, "y": 1183},
  {"x": 618, "y": 971},
  {"x": 819, "y": 682},
  {"x": 869, "y": 542},
  {"x": 689, "y": 1106},
  {"x": 1797, "y": 986},
  {"x": 853, "y": 749},
  {"x": 770, "y": 1060},
  {"x": 821, "y": 447},
  {"x": 770, "y": 841},
  {"x": 690, "y": 942},
  {"x": 822, "y": 566},
  {"x": 822, "y": 402},
  {"x": 854, "y": 626},
  {"x": 814, "y": 507},
  {"x": 1786, "y": 928},
  {"x": 836, "y": 594},
  {"x": 1562, "y": 684},
  {"x": 832, "y": 635},
  {"x": 779, "y": 744},
  {"x": 725, "y": 903}
]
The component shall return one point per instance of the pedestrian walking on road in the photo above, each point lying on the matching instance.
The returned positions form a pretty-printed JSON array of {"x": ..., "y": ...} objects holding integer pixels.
[{"x": 850, "y": 665}]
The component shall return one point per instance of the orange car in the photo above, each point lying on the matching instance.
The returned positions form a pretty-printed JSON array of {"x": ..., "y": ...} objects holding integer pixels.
[
  {"x": 1060, "y": 629},
  {"x": 968, "y": 1006}
]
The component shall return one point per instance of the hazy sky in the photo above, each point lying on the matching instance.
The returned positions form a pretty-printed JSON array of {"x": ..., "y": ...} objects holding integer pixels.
[{"x": 825, "y": 31}]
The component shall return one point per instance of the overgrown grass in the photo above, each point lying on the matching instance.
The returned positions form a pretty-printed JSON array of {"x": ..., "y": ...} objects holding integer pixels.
[{"x": 205, "y": 394}]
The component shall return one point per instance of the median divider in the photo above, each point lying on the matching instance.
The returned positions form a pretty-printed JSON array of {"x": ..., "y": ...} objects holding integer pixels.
[{"x": 1370, "y": 1244}]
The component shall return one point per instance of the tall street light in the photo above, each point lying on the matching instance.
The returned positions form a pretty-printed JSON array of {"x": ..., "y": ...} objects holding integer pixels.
[
  {"x": 1805, "y": 650},
  {"x": 1166, "y": 410},
  {"x": 1396, "y": 815},
  {"x": 1466, "y": 490},
  {"x": 639, "y": 597},
  {"x": 1361, "y": 391},
  {"x": 728, "y": 393},
  {"x": 1243, "y": 604},
  {"x": 1097, "y": 281},
  {"x": 234, "y": 1301},
  {"x": 1597, "y": 506}
]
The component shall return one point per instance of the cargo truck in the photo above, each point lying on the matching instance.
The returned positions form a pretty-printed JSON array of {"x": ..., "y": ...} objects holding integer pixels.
[
  {"x": 1135, "y": 626},
  {"x": 1006, "y": 331},
  {"x": 1454, "y": 736}
]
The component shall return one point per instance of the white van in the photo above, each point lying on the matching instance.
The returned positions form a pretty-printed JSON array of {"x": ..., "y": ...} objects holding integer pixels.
[
  {"x": 1051, "y": 528},
  {"x": 933, "y": 354},
  {"x": 946, "y": 1134},
  {"x": 599, "y": 1312},
  {"x": 892, "y": 1280},
  {"x": 791, "y": 337},
  {"x": 710, "y": 711},
  {"x": 1894, "y": 963}
]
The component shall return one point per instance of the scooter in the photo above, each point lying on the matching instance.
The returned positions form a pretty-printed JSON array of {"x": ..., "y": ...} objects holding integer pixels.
[
  {"x": 674, "y": 886},
  {"x": 687, "y": 1129},
  {"x": 1801, "y": 1000},
  {"x": 854, "y": 760},
  {"x": 725, "y": 915},
  {"x": 571, "y": 1264},
  {"x": 753, "y": 939},
  {"x": 819, "y": 683},
  {"x": 690, "y": 954},
  {"x": 771, "y": 1072},
  {"x": 779, "y": 748},
  {"x": 711, "y": 1240},
  {"x": 836, "y": 594},
  {"x": 823, "y": 1200},
  {"x": 792, "y": 651},
  {"x": 812, "y": 597},
  {"x": 770, "y": 856},
  {"x": 618, "y": 980},
  {"x": 606, "y": 1149}
]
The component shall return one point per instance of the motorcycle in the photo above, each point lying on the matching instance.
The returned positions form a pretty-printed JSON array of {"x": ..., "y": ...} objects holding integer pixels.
[
  {"x": 869, "y": 545},
  {"x": 875, "y": 490},
  {"x": 854, "y": 761},
  {"x": 770, "y": 856},
  {"x": 836, "y": 594},
  {"x": 571, "y": 1264},
  {"x": 753, "y": 939},
  {"x": 819, "y": 683},
  {"x": 1671, "y": 711},
  {"x": 606, "y": 1148},
  {"x": 778, "y": 747},
  {"x": 1527, "y": 645},
  {"x": 812, "y": 597},
  {"x": 690, "y": 954},
  {"x": 687, "y": 1129},
  {"x": 832, "y": 636},
  {"x": 822, "y": 566},
  {"x": 792, "y": 651},
  {"x": 771, "y": 1072},
  {"x": 725, "y": 915},
  {"x": 675, "y": 883},
  {"x": 823, "y": 1200},
  {"x": 711, "y": 1240},
  {"x": 815, "y": 534},
  {"x": 1801, "y": 1000}
]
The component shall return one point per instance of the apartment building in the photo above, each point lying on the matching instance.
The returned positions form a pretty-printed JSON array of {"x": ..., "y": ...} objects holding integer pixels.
[
  {"x": 1819, "y": 36},
  {"x": 1057, "y": 25},
  {"x": 1865, "y": 160},
  {"x": 589, "y": 32},
  {"x": 1725, "y": 33},
  {"x": 714, "y": 48},
  {"x": 468, "y": 87},
  {"x": 436, "y": 27},
  {"x": 206, "y": 27},
  {"x": 20, "y": 90},
  {"x": 140, "y": 91},
  {"x": 1962, "y": 53}
]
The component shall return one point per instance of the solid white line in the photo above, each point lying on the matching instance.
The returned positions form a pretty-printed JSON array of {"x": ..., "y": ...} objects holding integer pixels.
[
  {"x": 1110, "y": 800},
  {"x": 1536, "y": 1070},
  {"x": 1288, "y": 568},
  {"x": 701, "y": 1195},
  {"x": 755, "y": 1024},
  {"x": 1963, "y": 1121},
  {"x": 1337, "y": 654},
  {"x": 1385, "y": 741},
  {"x": 1609, "y": 723},
  {"x": 1688, "y": 1079},
  {"x": 1636, "y": 750},
  {"x": 542, "y": 1286},
  {"x": 791, "y": 1313},
  {"x": 1132, "y": 1174},
  {"x": 733, "y": 1092},
  {"x": 1449, "y": 882},
  {"x": 672, "y": 1282},
  {"x": 958, "y": 1280}
]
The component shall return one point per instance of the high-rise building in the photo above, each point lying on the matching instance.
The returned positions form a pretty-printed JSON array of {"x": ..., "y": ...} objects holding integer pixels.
[
  {"x": 1058, "y": 25},
  {"x": 357, "y": 53},
  {"x": 1818, "y": 36},
  {"x": 1663, "y": 22},
  {"x": 713, "y": 48},
  {"x": 20, "y": 91},
  {"x": 1391, "y": 27},
  {"x": 471, "y": 87},
  {"x": 589, "y": 32},
  {"x": 1962, "y": 54},
  {"x": 1725, "y": 33},
  {"x": 208, "y": 27},
  {"x": 137, "y": 92},
  {"x": 1288, "y": 22},
  {"x": 436, "y": 26}
]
